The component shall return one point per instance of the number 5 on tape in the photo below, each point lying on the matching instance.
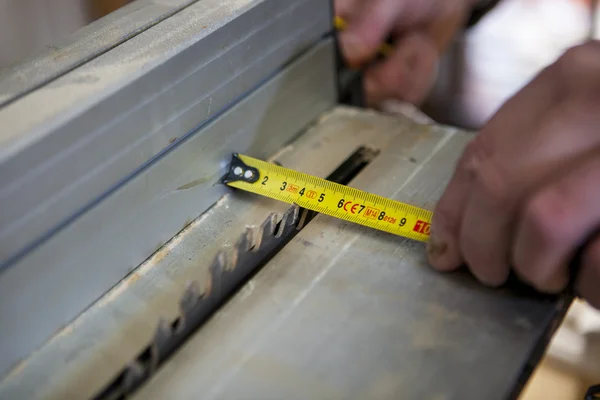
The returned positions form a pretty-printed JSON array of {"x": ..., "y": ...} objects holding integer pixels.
[{"x": 329, "y": 198}]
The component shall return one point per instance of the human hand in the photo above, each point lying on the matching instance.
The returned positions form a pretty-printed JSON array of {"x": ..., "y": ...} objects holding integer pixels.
[
  {"x": 422, "y": 30},
  {"x": 526, "y": 192}
]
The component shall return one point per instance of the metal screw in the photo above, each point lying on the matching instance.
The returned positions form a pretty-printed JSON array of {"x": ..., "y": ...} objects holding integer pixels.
[
  {"x": 249, "y": 174},
  {"x": 238, "y": 171}
]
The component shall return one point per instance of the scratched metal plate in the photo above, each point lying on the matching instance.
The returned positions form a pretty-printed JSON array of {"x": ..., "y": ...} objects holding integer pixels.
[
  {"x": 73, "y": 36},
  {"x": 100, "y": 123},
  {"x": 341, "y": 312},
  {"x": 92, "y": 185},
  {"x": 91, "y": 350},
  {"x": 344, "y": 312}
]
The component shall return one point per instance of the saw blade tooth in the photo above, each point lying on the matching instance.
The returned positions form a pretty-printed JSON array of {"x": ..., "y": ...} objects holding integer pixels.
[
  {"x": 190, "y": 299},
  {"x": 243, "y": 246},
  {"x": 266, "y": 230},
  {"x": 303, "y": 218},
  {"x": 134, "y": 374},
  {"x": 292, "y": 215},
  {"x": 289, "y": 218},
  {"x": 163, "y": 331},
  {"x": 163, "y": 334},
  {"x": 233, "y": 259},
  {"x": 216, "y": 271},
  {"x": 246, "y": 241}
]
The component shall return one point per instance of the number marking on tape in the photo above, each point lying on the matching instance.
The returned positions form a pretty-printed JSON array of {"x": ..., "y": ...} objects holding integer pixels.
[{"x": 325, "y": 197}]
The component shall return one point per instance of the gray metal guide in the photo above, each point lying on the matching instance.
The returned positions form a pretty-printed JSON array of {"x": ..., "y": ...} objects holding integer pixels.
[{"x": 107, "y": 242}]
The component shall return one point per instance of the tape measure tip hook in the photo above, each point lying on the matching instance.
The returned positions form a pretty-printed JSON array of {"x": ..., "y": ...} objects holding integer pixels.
[{"x": 239, "y": 171}]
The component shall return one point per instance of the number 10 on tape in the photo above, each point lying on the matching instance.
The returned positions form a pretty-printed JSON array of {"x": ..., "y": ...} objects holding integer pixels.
[{"x": 325, "y": 197}]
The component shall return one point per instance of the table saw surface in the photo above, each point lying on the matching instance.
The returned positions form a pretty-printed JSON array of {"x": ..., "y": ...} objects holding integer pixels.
[{"x": 341, "y": 311}]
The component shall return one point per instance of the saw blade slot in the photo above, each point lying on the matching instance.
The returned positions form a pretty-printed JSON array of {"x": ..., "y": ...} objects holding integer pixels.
[{"x": 228, "y": 273}]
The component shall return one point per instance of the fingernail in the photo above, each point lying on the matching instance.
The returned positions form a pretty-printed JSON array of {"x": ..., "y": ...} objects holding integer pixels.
[{"x": 438, "y": 250}]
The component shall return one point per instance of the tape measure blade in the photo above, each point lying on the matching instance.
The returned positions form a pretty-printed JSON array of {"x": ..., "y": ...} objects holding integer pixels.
[{"x": 339, "y": 201}]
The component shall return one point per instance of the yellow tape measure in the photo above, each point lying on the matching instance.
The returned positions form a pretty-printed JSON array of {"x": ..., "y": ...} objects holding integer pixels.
[{"x": 325, "y": 197}]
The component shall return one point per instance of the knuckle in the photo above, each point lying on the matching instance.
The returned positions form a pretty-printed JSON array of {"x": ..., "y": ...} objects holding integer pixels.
[
  {"x": 493, "y": 185},
  {"x": 548, "y": 219},
  {"x": 471, "y": 151},
  {"x": 488, "y": 177},
  {"x": 476, "y": 153},
  {"x": 465, "y": 161}
]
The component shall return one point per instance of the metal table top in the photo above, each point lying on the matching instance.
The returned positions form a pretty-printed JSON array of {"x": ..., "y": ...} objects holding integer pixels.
[
  {"x": 340, "y": 312},
  {"x": 347, "y": 312}
]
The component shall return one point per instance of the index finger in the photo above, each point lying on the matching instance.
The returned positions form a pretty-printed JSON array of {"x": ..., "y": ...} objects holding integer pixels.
[{"x": 369, "y": 24}]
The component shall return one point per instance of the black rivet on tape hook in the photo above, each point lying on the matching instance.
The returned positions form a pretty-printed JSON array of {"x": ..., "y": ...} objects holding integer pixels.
[{"x": 239, "y": 171}]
